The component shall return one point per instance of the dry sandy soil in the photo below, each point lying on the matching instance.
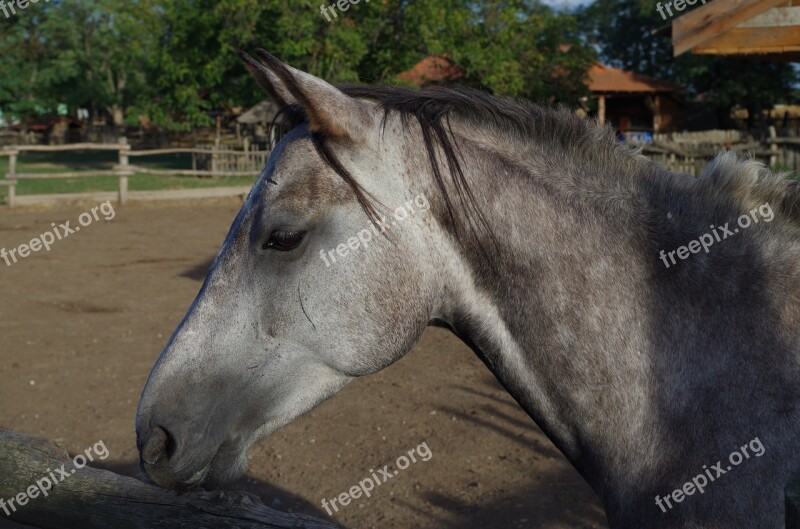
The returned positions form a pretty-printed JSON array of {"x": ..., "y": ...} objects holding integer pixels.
[{"x": 81, "y": 326}]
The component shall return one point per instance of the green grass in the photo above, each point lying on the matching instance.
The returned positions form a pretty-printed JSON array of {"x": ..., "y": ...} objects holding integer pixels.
[
  {"x": 60, "y": 162},
  {"x": 783, "y": 169}
]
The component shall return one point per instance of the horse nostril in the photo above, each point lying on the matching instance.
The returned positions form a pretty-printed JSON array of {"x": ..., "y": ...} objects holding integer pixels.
[{"x": 159, "y": 444}]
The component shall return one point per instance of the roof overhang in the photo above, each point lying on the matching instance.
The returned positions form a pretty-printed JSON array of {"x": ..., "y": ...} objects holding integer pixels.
[{"x": 769, "y": 28}]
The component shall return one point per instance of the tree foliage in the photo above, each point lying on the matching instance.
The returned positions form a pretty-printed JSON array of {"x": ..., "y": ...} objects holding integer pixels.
[{"x": 175, "y": 61}]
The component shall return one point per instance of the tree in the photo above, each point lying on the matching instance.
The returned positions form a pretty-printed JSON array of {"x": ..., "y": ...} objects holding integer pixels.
[
  {"x": 175, "y": 60},
  {"x": 84, "y": 54}
]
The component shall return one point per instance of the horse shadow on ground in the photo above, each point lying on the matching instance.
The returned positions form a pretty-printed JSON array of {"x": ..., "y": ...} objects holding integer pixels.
[{"x": 539, "y": 502}]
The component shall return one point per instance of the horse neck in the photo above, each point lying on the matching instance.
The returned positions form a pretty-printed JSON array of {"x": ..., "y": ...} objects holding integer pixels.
[
  {"x": 530, "y": 310},
  {"x": 607, "y": 350}
]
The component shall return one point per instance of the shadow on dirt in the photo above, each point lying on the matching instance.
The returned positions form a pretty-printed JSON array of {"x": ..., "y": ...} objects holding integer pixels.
[{"x": 198, "y": 272}]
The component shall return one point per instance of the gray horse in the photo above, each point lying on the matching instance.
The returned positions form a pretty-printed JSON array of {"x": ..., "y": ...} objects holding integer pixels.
[{"x": 664, "y": 365}]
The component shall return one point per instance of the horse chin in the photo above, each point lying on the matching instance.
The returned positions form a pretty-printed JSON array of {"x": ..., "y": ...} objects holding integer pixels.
[{"x": 226, "y": 467}]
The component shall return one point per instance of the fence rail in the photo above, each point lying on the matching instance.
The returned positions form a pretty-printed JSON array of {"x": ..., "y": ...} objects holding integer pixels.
[
  {"x": 222, "y": 161},
  {"x": 680, "y": 152},
  {"x": 691, "y": 152}
]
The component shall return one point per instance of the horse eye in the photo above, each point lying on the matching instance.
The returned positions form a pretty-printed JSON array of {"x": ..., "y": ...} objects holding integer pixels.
[{"x": 284, "y": 240}]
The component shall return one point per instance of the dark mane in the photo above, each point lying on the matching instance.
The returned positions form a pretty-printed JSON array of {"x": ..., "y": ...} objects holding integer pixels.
[
  {"x": 556, "y": 127},
  {"x": 573, "y": 142},
  {"x": 433, "y": 108}
]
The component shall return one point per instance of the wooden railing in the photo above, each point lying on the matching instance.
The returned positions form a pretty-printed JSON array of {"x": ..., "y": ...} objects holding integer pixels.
[
  {"x": 220, "y": 157},
  {"x": 691, "y": 152}
]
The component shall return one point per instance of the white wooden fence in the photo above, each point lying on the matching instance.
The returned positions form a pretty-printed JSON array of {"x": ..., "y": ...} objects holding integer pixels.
[
  {"x": 679, "y": 152},
  {"x": 222, "y": 162}
]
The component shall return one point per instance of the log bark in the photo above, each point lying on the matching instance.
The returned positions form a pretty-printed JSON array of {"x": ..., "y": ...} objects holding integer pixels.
[
  {"x": 793, "y": 503},
  {"x": 90, "y": 498}
]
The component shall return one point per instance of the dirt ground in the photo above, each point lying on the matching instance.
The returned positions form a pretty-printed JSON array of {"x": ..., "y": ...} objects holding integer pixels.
[{"x": 81, "y": 326}]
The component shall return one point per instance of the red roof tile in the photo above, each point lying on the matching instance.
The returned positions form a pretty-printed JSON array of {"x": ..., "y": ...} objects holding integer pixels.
[
  {"x": 431, "y": 70},
  {"x": 607, "y": 79}
]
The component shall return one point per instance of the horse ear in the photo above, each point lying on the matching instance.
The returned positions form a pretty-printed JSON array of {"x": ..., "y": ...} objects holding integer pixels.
[
  {"x": 268, "y": 81},
  {"x": 330, "y": 111}
]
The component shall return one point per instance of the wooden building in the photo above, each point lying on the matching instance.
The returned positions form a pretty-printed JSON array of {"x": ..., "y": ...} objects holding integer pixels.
[
  {"x": 634, "y": 103},
  {"x": 767, "y": 28}
]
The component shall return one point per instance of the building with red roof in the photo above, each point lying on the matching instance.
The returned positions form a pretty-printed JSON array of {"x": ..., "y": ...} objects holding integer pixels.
[{"x": 632, "y": 102}]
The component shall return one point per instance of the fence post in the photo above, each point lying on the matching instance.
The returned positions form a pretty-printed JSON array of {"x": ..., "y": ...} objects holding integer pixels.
[
  {"x": 124, "y": 170},
  {"x": 214, "y": 158},
  {"x": 12, "y": 176},
  {"x": 123, "y": 189},
  {"x": 773, "y": 147}
]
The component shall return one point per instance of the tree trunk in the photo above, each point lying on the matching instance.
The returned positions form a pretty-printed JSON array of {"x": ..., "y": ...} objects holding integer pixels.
[
  {"x": 98, "y": 499},
  {"x": 117, "y": 115}
]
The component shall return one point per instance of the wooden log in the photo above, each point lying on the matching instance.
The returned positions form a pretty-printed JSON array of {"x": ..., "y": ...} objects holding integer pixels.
[
  {"x": 793, "y": 503},
  {"x": 98, "y": 499}
]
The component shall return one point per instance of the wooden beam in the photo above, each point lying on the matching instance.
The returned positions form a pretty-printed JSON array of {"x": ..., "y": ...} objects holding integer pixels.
[
  {"x": 786, "y": 56},
  {"x": 774, "y": 18},
  {"x": 98, "y": 499},
  {"x": 714, "y": 19},
  {"x": 749, "y": 41}
]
